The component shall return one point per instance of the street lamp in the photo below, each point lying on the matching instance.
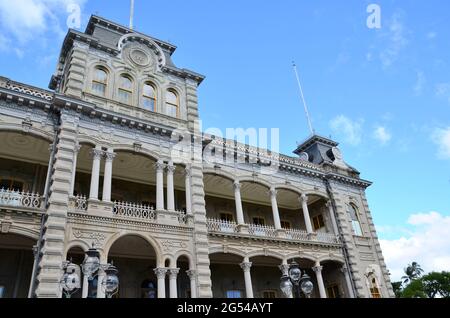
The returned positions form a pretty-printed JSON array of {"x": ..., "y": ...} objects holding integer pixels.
[
  {"x": 110, "y": 283},
  {"x": 295, "y": 282},
  {"x": 70, "y": 281},
  {"x": 91, "y": 267}
]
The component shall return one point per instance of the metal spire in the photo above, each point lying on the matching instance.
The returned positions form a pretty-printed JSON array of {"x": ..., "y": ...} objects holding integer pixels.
[
  {"x": 131, "y": 14},
  {"x": 303, "y": 99}
]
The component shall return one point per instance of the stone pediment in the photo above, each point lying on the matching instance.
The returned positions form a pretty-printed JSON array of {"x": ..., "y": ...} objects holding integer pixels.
[{"x": 140, "y": 51}]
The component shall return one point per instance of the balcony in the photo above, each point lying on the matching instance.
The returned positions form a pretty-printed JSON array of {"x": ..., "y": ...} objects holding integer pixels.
[
  {"x": 135, "y": 211},
  {"x": 20, "y": 200},
  {"x": 228, "y": 228}
]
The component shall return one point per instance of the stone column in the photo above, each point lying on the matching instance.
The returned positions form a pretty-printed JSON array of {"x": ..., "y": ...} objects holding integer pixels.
[
  {"x": 304, "y": 202},
  {"x": 160, "y": 185},
  {"x": 85, "y": 287},
  {"x": 318, "y": 270},
  {"x": 173, "y": 272},
  {"x": 192, "y": 277},
  {"x": 74, "y": 167},
  {"x": 107, "y": 179},
  {"x": 246, "y": 265},
  {"x": 170, "y": 189},
  {"x": 187, "y": 182},
  {"x": 237, "y": 199},
  {"x": 161, "y": 275},
  {"x": 284, "y": 268},
  {"x": 332, "y": 217},
  {"x": 276, "y": 214},
  {"x": 96, "y": 153},
  {"x": 344, "y": 270},
  {"x": 100, "y": 290}
]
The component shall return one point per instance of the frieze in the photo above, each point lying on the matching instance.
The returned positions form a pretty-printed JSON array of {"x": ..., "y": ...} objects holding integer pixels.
[
  {"x": 96, "y": 237},
  {"x": 169, "y": 245}
]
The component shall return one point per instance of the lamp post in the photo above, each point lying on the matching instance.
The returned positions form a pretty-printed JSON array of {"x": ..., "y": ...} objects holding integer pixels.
[
  {"x": 294, "y": 283},
  {"x": 91, "y": 266}
]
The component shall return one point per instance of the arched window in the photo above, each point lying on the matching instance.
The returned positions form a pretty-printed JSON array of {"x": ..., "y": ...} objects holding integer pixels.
[
  {"x": 356, "y": 225},
  {"x": 99, "y": 81},
  {"x": 374, "y": 289},
  {"x": 171, "y": 103},
  {"x": 125, "y": 89},
  {"x": 149, "y": 97}
]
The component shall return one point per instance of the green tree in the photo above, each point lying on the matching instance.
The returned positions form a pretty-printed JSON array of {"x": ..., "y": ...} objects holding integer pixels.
[
  {"x": 436, "y": 284},
  {"x": 413, "y": 271},
  {"x": 415, "y": 289},
  {"x": 397, "y": 287}
]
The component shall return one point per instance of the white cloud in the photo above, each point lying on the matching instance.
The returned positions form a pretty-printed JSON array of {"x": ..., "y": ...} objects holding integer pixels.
[
  {"x": 431, "y": 35},
  {"x": 396, "y": 40},
  {"x": 420, "y": 83},
  {"x": 427, "y": 244},
  {"x": 24, "y": 20},
  {"x": 441, "y": 137},
  {"x": 350, "y": 130},
  {"x": 443, "y": 90},
  {"x": 382, "y": 135}
]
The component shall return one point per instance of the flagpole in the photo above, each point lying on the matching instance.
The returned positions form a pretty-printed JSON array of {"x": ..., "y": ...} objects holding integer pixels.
[
  {"x": 131, "y": 14},
  {"x": 303, "y": 99}
]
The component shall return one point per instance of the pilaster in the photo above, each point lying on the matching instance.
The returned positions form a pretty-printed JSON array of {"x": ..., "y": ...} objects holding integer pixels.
[{"x": 52, "y": 252}]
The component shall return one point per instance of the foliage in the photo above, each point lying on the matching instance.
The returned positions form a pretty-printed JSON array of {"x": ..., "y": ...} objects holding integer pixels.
[{"x": 413, "y": 271}]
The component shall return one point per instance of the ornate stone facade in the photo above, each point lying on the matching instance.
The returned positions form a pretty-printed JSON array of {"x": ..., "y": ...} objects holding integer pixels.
[{"x": 166, "y": 203}]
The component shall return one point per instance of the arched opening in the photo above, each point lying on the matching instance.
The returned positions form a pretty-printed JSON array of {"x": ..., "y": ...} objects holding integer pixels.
[
  {"x": 23, "y": 169},
  {"x": 227, "y": 276},
  {"x": 183, "y": 280},
  {"x": 334, "y": 279},
  {"x": 266, "y": 277},
  {"x": 219, "y": 198},
  {"x": 16, "y": 265},
  {"x": 135, "y": 258},
  {"x": 76, "y": 255}
]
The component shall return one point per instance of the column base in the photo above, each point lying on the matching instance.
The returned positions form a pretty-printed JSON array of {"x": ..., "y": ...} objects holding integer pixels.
[
  {"x": 100, "y": 208},
  {"x": 281, "y": 233},
  {"x": 243, "y": 228}
]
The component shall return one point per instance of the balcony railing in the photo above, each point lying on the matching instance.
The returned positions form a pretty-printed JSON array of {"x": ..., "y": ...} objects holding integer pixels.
[
  {"x": 20, "y": 199},
  {"x": 215, "y": 225},
  {"x": 79, "y": 203},
  {"x": 262, "y": 230},
  {"x": 134, "y": 210},
  {"x": 226, "y": 227}
]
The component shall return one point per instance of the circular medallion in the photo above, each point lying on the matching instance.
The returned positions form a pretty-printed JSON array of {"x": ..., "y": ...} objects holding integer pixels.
[{"x": 139, "y": 57}]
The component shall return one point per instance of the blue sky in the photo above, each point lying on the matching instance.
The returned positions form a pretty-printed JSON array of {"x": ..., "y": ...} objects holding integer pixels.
[{"x": 384, "y": 94}]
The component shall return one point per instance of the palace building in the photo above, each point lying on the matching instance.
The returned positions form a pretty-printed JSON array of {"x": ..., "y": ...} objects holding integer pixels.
[{"x": 112, "y": 156}]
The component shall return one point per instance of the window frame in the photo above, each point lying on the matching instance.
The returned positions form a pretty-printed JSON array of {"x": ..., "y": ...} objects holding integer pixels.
[
  {"x": 318, "y": 221},
  {"x": 234, "y": 291},
  {"x": 357, "y": 221},
  {"x": 259, "y": 217},
  {"x": 283, "y": 222},
  {"x": 333, "y": 287},
  {"x": 120, "y": 88},
  {"x": 177, "y": 105},
  {"x": 226, "y": 214},
  {"x": 275, "y": 293},
  {"x": 155, "y": 98},
  {"x": 96, "y": 81}
]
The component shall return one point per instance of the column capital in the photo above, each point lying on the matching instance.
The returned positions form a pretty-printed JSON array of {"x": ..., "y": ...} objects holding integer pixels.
[
  {"x": 77, "y": 147},
  {"x": 97, "y": 153},
  {"x": 109, "y": 156},
  {"x": 173, "y": 272},
  {"x": 160, "y": 165},
  {"x": 236, "y": 185},
  {"x": 317, "y": 269},
  {"x": 160, "y": 272},
  {"x": 191, "y": 273},
  {"x": 284, "y": 268},
  {"x": 187, "y": 172},
  {"x": 170, "y": 168},
  {"x": 246, "y": 266},
  {"x": 304, "y": 198},
  {"x": 273, "y": 192},
  {"x": 328, "y": 204},
  {"x": 344, "y": 269}
]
